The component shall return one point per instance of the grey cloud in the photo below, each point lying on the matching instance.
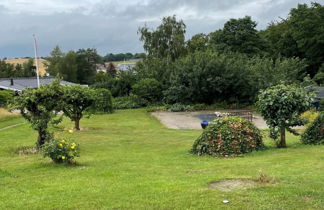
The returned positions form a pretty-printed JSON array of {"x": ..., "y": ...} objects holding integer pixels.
[{"x": 111, "y": 26}]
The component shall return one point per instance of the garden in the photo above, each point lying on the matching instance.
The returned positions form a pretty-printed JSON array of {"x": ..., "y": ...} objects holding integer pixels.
[
  {"x": 101, "y": 145},
  {"x": 128, "y": 160}
]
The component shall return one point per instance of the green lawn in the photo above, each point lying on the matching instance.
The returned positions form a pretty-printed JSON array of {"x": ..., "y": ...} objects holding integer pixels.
[{"x": 130, "y": 161}]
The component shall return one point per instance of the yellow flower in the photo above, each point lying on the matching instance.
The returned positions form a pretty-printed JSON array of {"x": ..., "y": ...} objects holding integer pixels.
[
  {"x": 63, "y": 157},
  {"x": 70, "y": 131},
  {"x": 61, "y": 145},
  {"x": 73, "y": 145}
]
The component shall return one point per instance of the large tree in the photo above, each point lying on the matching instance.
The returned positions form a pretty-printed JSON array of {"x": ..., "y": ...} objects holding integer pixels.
[
  {"x": 301, "y": 35},
  {"x": 54, "y": 61},
  {"x": 238, "y": 35},
  {"x": 68, "y": 67},
  {"x": 86, "y": 65},
  {"x": 198, "y": 42},
  {"x": 167, "y": 41}
]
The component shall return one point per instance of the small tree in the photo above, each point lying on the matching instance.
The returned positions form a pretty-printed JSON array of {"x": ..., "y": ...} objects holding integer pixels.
[
  {"x": 39, "y": 107},
  {"x": 76, "y": 100},
  {"x": 281, "y": 106}
]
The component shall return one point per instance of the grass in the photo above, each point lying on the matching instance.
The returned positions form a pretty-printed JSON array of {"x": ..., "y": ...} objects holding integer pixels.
[
  {"x": 8, "y": 118},
  {"x": 130, "y": 161}
]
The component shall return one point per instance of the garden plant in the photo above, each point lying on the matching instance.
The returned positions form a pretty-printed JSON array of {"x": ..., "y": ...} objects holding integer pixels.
[
  {"x": 281, "y": 107},
  {"x": 228, "y": 136}
]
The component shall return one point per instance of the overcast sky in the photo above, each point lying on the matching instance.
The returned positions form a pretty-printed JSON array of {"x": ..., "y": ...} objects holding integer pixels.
[{"x": 111, "y": 25}]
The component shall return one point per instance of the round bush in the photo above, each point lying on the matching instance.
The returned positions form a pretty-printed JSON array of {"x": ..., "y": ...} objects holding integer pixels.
[
  {"x": 314, "y": 134},
  {"x": 228, "y": 136},
  {"x": 61, "y": 150}
]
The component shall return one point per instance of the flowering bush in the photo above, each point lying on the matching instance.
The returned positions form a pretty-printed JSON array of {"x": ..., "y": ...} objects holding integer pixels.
[
  {"x": 228, "y": 136},
  {"x": 61, "y": 150}
]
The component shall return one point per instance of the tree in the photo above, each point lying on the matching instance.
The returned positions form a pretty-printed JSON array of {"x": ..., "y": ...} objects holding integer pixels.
[
  {"x": 238, "y": 35},
  {"x": 68, "y": 67},
  {"x": 86, "y": 62},
  {"x": 301, "y": 35},
  {"x": 54, "y": 61},
  {"x": 28, "y": 69},
  {"x": 167, "y": 41},
  {"x": 111, "y": 69},
  {"x": 39, "y": 107},
  {"x": 197, "y": 43},
  {"x": 281, "y": 106},
  {"x": 76, "y": 100}
]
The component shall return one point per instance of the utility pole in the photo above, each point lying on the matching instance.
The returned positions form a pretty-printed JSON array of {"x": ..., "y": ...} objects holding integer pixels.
[{"x": 36, "y": 59}]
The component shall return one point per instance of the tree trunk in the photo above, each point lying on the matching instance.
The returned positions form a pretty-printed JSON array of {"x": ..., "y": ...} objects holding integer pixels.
[
  {"x": 41, "y": 138},
  {"x": 77, "y": 124},
  {"x": 282, "y": 143}
]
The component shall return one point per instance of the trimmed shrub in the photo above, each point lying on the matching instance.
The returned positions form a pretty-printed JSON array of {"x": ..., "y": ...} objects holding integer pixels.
[
  {"x": 61, "y": 150},
  {"x": 228, "y": 136},
  {"x": 5, "y": 97},
  {"x": 148, "y": 89},
  {"x": 314, "y": 134},
  {"x": 103, "y": 102},
  {"x": 129, "y": 102}
]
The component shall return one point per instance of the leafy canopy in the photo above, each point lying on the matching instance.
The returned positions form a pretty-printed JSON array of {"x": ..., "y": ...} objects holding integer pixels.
[
  {"x": 76, "y": 100},
  {"x": 281, "y": 106},
  {"x": 39, "y": 107}
]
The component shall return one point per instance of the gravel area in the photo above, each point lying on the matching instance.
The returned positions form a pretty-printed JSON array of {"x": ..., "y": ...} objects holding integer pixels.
[{"x": 191, "y": 120}]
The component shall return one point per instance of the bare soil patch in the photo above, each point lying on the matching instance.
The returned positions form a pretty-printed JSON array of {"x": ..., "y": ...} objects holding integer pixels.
[{"x": 233, "y": 184}]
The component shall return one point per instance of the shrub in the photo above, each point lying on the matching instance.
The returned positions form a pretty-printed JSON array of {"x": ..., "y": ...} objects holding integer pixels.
[
  {"x": 61, "y": 150},
  {"x": 128, "y": 102},
  {"x": 103, "y": 102},
  {"x": 321, "y": 108},
  {"x": 148, "y": 89},
  {"x": 5, "y": 97},
  {"x": 314, "y": 134},
  {"x": 177, "y": 107},
  {"x": 309, "y": 117},
  {"x": 228, "y": 136},
  {"x": 199, "y": 107}
]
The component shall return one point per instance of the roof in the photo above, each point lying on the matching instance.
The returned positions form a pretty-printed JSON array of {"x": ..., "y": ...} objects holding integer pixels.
[
  {"x": 319, "y": 91},
  {"x": 20, "y": 84},
  {"x": 125, "y": 67}
]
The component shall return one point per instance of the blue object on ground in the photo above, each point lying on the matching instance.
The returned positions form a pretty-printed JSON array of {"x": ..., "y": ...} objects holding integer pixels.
[{"x": 204, "y": 124}]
